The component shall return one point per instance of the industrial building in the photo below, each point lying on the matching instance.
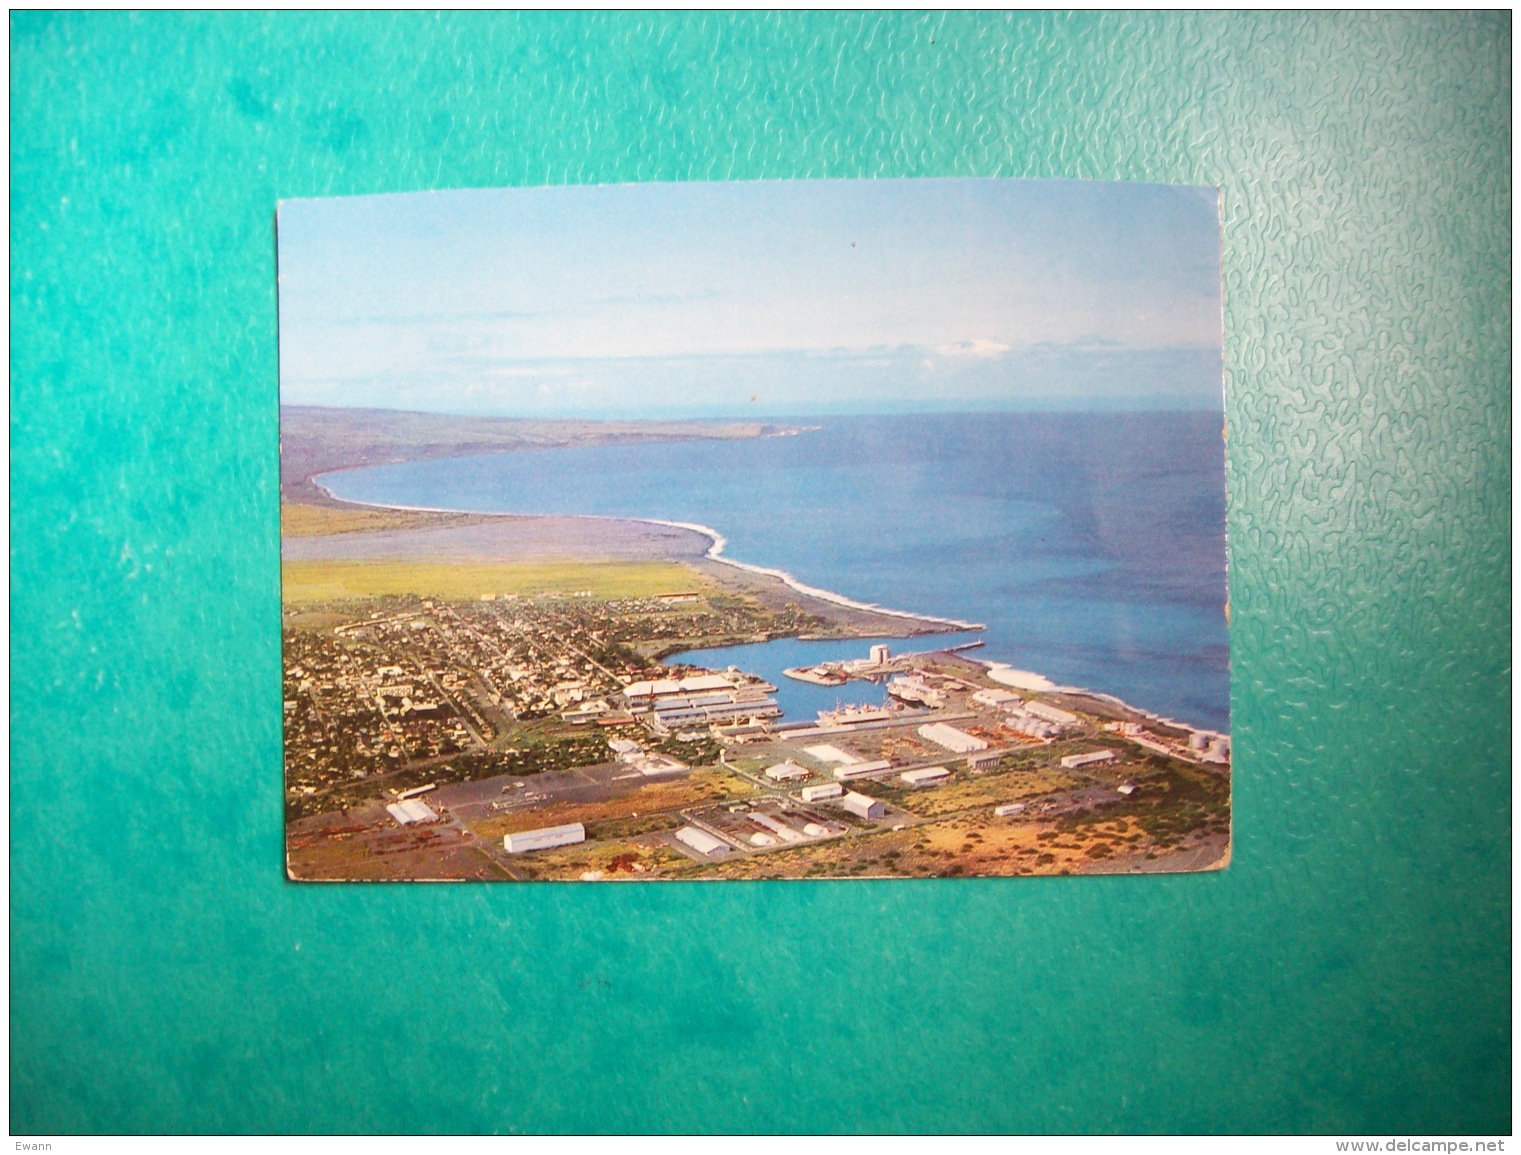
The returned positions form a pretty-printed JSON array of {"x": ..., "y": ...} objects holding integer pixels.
[
  {"x": 827, "y": 753},
  {"x": 700, "y": 700},
  {"x": 787, "y": 772},
  {"x": 1093, "y": 758},
  {"x": 996, "y": 698},
  {"x": 950, "y": 738},
  {"x": 665, "y": 687},
  {"x": 705, "y": 709},
  {"x": 1009, "y": 809},
  {"x": 646, "y": 762},
  {"x": 1051, "y": 713},
  {"x": 926, "y": 777},
  {"x": 862, "y": 806},
  {"x": 544, "y": 838},
  {"x": 775, "y": 825},
  {"x": 819, "y": 793},
  {"x": 1209, "y": 746},
  {"x": 1030, "y": 724},
  {"x": 651, "y": 764},
  {"x": 702, "y": 842},
  {"x": 983, "y": 759},
  {"x": 411, "y": 812},
  {"x": 860, "y": 770}
]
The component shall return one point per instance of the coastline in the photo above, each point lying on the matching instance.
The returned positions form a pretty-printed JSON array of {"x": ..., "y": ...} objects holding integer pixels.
[
  {"x": 717, "y": 543},
  {"x": 998, "y": 671},
  {"x": 318, "y": 439},
  {"x": 1006, "y": 675},
  {"x": 715, "y": 552}
]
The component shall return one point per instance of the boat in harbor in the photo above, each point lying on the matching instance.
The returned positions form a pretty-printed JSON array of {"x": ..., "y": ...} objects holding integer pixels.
[
  {"x": 825, "y": 675},
  {"x": 855, "y": 715}
]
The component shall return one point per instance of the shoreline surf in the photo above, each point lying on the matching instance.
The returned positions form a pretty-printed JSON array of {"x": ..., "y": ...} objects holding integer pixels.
[{"x": 716, "y": 544}]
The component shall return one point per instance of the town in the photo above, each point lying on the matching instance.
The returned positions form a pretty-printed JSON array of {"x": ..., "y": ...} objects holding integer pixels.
[{"x": 540, "y": 737}]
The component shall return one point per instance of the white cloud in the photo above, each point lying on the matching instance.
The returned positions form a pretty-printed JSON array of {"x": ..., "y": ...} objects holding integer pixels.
[{"x": 981, "y": 347}]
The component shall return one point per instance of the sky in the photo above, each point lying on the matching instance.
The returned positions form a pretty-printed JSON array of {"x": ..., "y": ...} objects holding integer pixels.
[{"x": 754, "y": 298}]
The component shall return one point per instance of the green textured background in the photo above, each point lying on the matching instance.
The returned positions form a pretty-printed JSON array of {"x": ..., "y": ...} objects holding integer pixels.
[{"x": 1350, "y": 972}]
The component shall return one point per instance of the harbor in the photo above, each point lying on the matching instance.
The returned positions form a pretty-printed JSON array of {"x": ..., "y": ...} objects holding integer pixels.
[{"x": 781, "y": 660}]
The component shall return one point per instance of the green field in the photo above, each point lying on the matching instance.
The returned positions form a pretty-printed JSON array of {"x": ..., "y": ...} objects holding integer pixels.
[
  {"x": 298, "y": 520},
  {"x": 308, "y": 582}
]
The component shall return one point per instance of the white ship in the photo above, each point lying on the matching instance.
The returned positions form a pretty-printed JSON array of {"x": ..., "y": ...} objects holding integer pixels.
[
  {"x": 819, "y": 675},
  {"x": 854, "y": 715}
]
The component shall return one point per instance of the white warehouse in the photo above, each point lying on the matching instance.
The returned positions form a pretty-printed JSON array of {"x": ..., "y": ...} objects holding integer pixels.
[
  {"x": 862, "y": 806},
  {"x": 411, "y": 812},
  {"x": 952, "y": 739},
  {"x": 819, "y": 793},
  {"x": 544, "y": 838},
  {"x": 926, "y": 777},
  {"x": 787, "y": 772},
  {"x": 1050, "y": 713},
  {"x": 1093, "y": 758},
  {"x": 999, "y": 698},
  {"x": 701, "y": 841}
]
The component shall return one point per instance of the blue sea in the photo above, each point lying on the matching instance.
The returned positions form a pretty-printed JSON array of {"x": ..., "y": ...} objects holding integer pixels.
[{"x": 1091, "y": 546}]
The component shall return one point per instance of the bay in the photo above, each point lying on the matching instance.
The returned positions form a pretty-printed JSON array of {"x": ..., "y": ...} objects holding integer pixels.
[
  {"x": 801, "y": 701},
  {"x": 1091, "y": 545}
]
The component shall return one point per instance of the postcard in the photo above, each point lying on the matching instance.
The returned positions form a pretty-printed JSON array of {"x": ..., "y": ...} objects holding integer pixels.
[{"x": 766, "y": 530}]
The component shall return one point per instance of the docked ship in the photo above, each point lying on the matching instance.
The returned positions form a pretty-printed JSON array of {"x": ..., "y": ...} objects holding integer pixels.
[
  {"x": 825, "y": 675},
  {"x": 854, "y": 715}
]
